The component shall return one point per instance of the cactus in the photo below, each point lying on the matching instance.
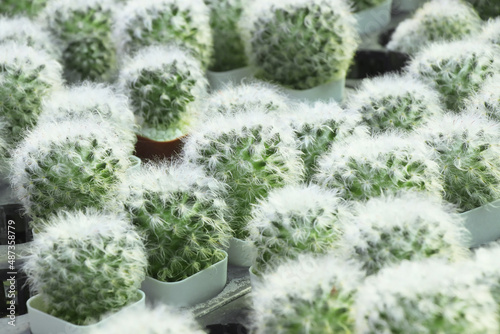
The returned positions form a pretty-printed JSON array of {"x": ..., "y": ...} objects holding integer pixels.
[
  {"x": 486, "y": 8},
  {"x": 299, "y": 44},
  {"x": 185, "y": 22},
  {"x": 182, "y": 215},
  {"x": 437, "y": 20},
  {"x": 468, "y": 157},
  {"x": 363, "y": 167},
  {"x": 408, "y": 226},
  {"x": 360, "y": 5},
  {"x": 165, "y": 85},
  {"x": 491, "y": 31},
  {"x": 487, "y": 100},
  {"x": 307, "y": 295},
  {"x": 69, "y": 165},
  {"x": 483, "y": 266},
  {"x": 252, "y": 152},
  {"x": 83, "y": 30},
  {"x": 22, "y": 7},
  {"x": 393, "y": 102},
  {"x": 229, "y": 51},
  {"x": 424, "y": 297},
  {"x": 27, "y": 75},
  {"x": 86, "y": 264},
  {"x": 456, "y": 69}
]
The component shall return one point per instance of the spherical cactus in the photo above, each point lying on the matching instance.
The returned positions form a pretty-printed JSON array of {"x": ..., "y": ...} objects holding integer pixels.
[
  {"x": 186, "y": 22},
  {"x": 22, "y": 7},
  {"x": 437, "y": 20},
  {"x": 307, "y": 295},
  {"x": 469, "y": 157},
  {"x": 424, "y": 297},
  {"x": 229, "y": 51},
  {"x": 394, "y": 102},
  {"x": 182, "y": 215},
  {"x": 299, "y": 44},
  {"x": 486, "y": 8},
  {"x": 456, "y": 69},
  {"x": 86, "y": 264},
  {"x": 363, "y": 167},
  {"x": 491, "y": 31},
  {"x": 69, "y": 165},
  {"x": 165, "y": 85},
  {"x": 83, "y": 30},
  {"x": 27, "y": 76},
  {"x": 252, "y": 152},
  {"x": 486, "y": 101},
  {"x": 409, "y": 226}
]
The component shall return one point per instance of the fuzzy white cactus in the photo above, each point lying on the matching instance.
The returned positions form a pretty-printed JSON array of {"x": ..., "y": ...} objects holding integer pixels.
[
  {"x": 393, "y": 102},
  {"x": 436, "y": 20},
  {"x": 165, "y": 86},
  {"x": 29, "y": 8},
  {"x": 491, "y": 31},
  {"x": 484, "y": 269},
  {"x": 486, "y": 101},
  {"x": 363, "y": 167},
  {"x": 307, "y": 295},
  {"x": 424, "y": 297}
]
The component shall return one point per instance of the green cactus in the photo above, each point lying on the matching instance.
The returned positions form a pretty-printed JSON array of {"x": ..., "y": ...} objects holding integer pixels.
[
  {"x": 299, "y": 44},
  {"x": 486, "y": 8},
  {"x": 86, "y": 264},
  {"x": 486, "y": 101},
  {"x": 29, "y": 8}
]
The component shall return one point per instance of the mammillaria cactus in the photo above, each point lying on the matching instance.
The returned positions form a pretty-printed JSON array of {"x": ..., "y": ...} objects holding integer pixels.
[
  {"x": 486, "y": 8},
  {"x": 360, "y": 5},
  {"x": 394, "y": 102},
  {"x": 186, "y": 22},
  {"x": 468, "y": 157},
  {"x": 319, "y": 50},
  {"x": 165, "y": 85},
  {"x": 27, "y": 75},
  {"x": 456, "y": 69},
  {"x": 22, "y": 7},
  {"x": 437, "y": 20},
  {"x": 362, "y": 167},
  {"x": 252, "y": 152},
  {"x": 69, "y": 165},
  {"x": 491, "y": 31},
  {"x": 307, "y": 295},
  {"x": 409, "y": 226},
  {"x": 83, "y": 30},
  {"x": 183, "y": 217},
  {"x": 424, "y": 297},
  {"x": 487, "y": 100}
]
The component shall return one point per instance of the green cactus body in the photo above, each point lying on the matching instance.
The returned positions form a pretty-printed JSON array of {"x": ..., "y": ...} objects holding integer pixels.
[
  {"x": 29, "y": 8},
  {"x": 252, "y": 153},
  {"x": 487, "y": 100},
  {"x": 360, "y": 5},
  {"x": 165, "y": 85},
  {"x": 184, "y": 22},
  {"x": 456, "y": 69},
  {"x": 486, "y": 8},
  {"x": 300, "y": 44},
  {"x": 182, "y": 215},
  {"x": 393, "y": 102}
]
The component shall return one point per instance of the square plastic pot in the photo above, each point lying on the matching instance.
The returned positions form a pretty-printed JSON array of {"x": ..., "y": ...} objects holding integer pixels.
[
  {"x": 483, "y": 223},
  {"x": 219, "y": 80},
  {"x": 374, "y": 19},
  {"x": 241, "y": 253},
  {"x": 332, "y": 90}
]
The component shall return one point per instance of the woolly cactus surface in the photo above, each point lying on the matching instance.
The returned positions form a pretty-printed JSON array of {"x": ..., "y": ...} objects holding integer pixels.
[
  {"x": 299, "y": 44},
  {"x": 22, "y": 7},
  {"x": 182, "y": 215},
  {"x": 487, "y": 100},
  {"x": 491, "y": 31},
  {"x": 86, "y": 265}
]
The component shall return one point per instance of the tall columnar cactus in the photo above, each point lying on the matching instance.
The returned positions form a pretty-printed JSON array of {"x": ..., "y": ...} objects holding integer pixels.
[
  {"x": 363, "y": 167},
  {"x": 360, "y": 5},
  {"x": 294, "y": 220},
  {"x": 456, "y": 69},
  {"x": 486, "y": 8},
  {"x": 409, "y": 226},
  {"x": 491, "y": 31},
  {"x": 83, "y": 30},
  {"x": 307, "y": 295},
  {"x": 86, "y": 264},
  {"x": 183, "y": 217},
  {"x": 469, "y": 157},
  {"x": 69, "y": 165},
  {"x": 394, "y": 102},
  {"x": 424, "y": 297},
  {"x": 186, "y": 22},
  {"x": 165, "y": 86},
  {"x": 437, "y": 20},
  {"x": 229, "y": 51},
  {"x": 486, "y": 101},
  {"x": 252, "y": 152},
  {"x": 27, "y": 76},
  {"x": 299, "y": 44},
  {"x": 22, "y": 7}
]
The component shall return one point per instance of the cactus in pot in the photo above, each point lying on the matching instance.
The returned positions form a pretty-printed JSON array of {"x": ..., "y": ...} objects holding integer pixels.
[
  {"x": 29, "y": 8},
  {"x": 486, "y": 101},
  {"x": 86, "y": 264},
  {"x": 297, "y": 43},
  {"x": 165, "y": 86}
]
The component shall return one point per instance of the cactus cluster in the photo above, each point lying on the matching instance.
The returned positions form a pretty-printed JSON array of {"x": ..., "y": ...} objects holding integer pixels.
[
  {"x": 486, "y": 8},
  {"x": 86, "y": 264},
  {"x": 22, "y": 7},
  {"x": 360, "y": 5},
  {"x": 436, "y": 20},
  {"x": 165, "y": 86},
  {"x": 182, "y": 215},
  {"x": 486, "y": 101},
  {"x": 299, "y": 44}
]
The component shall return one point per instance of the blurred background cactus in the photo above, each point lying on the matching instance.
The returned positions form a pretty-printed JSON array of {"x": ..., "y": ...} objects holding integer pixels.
[
  {"x": 491, "y": 31},
  {"x": 486, "y": 8},
  {"x": 22, "y": 7},
  {"x": 360, "y": 5}
]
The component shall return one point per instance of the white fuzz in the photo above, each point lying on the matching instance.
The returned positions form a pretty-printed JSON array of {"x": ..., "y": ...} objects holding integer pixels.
[
  {"x": 486, "y": 101},
  {"x": 491, "y": 31},
  {"x": 62, "y": 10}
]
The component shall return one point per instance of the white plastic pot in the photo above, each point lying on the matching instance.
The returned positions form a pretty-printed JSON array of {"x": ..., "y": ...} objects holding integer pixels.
[
  {"x": 483, "y": 223},
  {"x": 195, "y": 289},
  {"x": 332, "y": 90},
  {"x": 241, "y": 253},
  {"x": 219, "y": 80},
  {"x": 44, "y": 323},
  {"x": 374, "y": 19}
]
